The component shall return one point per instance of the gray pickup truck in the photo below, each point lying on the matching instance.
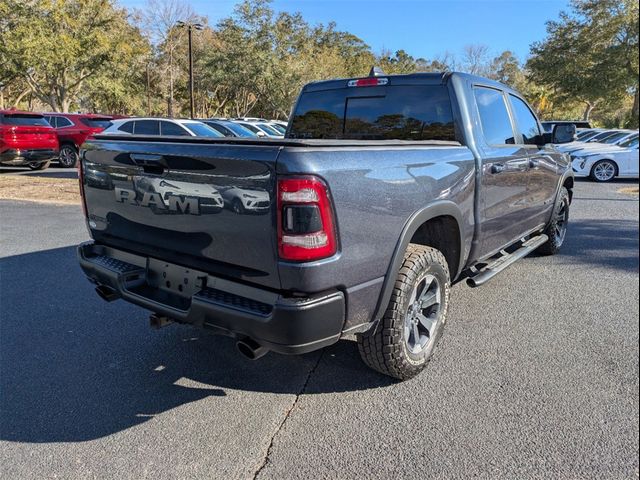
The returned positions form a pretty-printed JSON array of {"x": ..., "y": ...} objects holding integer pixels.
[{"x": 384, "y": 191}]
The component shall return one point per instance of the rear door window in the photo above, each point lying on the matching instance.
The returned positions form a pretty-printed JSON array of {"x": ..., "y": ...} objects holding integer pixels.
[
  {"x": 147, "y": 127},
  {"x": 402, "y": 112},
  {"x": 527, "y": 123},
  {"x": 494, "y": 116},
  {"x": 62, "y": 122}
]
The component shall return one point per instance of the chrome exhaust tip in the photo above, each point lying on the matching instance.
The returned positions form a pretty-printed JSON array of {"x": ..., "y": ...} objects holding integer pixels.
[
  {"x": 251, "y": 349},
  {"x": 108, "y": 294}
]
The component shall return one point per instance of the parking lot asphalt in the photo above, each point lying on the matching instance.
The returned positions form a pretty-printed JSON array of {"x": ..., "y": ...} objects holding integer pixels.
[
  {"x": 536, "y": 376},
  {"x": 52, "y": 172}
]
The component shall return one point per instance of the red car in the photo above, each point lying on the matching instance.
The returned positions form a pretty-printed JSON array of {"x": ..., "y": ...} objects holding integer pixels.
[
  {"x": 73, "y": 129},
  {"x": 26, "y": 139}
]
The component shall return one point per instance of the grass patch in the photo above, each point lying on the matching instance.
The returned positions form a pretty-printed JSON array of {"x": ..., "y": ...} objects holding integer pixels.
[
  {"x": 629, "y": 190},
  {"x": 36, "y": 189}
]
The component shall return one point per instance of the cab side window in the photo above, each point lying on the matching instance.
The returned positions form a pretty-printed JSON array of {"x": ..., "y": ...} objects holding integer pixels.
[
  {"x": 494, "y": 116},
  {"x": 527, "y": 123}
]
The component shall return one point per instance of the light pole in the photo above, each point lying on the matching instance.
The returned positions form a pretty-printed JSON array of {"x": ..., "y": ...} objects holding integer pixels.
[{"x": 190, "y": 27}]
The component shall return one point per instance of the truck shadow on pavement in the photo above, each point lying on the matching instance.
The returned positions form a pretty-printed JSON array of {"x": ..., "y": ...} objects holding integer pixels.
[
  {"x": 56, "y": 173},
  {"x": 74, "y": 368},
  {"x": 604, "y": 243}
]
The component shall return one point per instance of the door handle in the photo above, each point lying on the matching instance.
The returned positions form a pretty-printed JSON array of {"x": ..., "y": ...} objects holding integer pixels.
[
  {"x": 152, "y": 164},
  {"x": 146, "y": 159},
  {"x": 497, "y": 168}
]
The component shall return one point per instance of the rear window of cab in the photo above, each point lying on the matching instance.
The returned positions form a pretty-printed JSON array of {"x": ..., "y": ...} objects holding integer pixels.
[{"x": 401, "y": 112}]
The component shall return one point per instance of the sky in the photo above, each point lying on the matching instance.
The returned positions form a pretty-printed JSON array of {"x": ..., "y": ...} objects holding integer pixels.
[{"x": 423, "y": 28}]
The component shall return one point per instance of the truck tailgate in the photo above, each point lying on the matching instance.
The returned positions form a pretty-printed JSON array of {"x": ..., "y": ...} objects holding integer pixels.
[{"x": 210, "y": 207}]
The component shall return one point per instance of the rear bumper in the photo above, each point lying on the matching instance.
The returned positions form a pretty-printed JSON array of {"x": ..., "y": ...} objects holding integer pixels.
[
  {"x": 24, "y": 157},
  {"x": 290, "y": 325}
]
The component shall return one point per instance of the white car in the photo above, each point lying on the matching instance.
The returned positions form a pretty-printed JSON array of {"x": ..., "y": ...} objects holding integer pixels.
[
  {"x": 160, "y": 126},
  {"x": 282, "y": 129},
  {"x": 606, "y": 164},
  {"x": 208, "y": 197},
  {"x": 242, "y": 200},
  {"x": 623, "y": 142},
  {"x": 261, "y": 129}
]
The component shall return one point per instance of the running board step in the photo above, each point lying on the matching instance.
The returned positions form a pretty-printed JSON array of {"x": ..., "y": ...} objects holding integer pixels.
[{"x": 497, "y": 266}]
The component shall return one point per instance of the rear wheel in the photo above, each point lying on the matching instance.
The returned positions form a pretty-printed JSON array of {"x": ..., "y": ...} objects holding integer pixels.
[
  {"x": 557, "y": 229},
  {"x": 402, "y": 343},
  {"x": 39, "y": 165},
  {"x": 68, "y": 156},
  {"x": 604, "y": 171}
]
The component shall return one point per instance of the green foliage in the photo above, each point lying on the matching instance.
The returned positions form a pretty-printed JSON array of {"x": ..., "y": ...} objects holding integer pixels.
[
  {"x": 56, "y": 47},
  {"x": 261, "y": 60},
  {"x": 93, "y": 55},
  {"x": 590, "y": 55}
]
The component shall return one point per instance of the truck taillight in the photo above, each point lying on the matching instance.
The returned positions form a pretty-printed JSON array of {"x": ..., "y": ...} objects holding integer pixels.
[{"x": 306, "y": 225}]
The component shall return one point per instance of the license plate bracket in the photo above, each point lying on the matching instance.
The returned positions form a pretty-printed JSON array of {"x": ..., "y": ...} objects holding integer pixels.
[{"x": 181, "y": 281}]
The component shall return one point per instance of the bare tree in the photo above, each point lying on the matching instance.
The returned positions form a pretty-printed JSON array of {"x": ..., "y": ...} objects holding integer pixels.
[
  {"x": 475, "y": 59},
  {"x": 158, "y": 21}
]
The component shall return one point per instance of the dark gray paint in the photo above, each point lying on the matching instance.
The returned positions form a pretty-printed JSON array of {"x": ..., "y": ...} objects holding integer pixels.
[{"x": 378, "y": 190}]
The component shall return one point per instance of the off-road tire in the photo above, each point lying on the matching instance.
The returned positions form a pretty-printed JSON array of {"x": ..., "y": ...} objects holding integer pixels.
[
  {"x": 40, "y": 166},
  {"x": 553, "y": 245},
  {"x": 384, "y": 348}
]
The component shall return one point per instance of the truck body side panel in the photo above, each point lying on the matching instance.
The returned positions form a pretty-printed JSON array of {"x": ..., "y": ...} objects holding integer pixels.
[{"x": 375, "y": 192}]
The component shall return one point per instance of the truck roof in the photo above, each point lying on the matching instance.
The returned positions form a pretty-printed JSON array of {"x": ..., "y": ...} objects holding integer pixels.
[{"x": 418, "y": 78}]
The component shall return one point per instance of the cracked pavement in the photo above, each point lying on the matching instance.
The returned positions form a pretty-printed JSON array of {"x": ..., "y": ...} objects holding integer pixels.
[{"x": 537, "y": 374}]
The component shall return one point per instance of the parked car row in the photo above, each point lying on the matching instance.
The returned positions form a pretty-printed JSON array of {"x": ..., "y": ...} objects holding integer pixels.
[
  {"x": 35, "y": 139},
  {"x": 208, "y": 127},
  {"x": 603, "y": 154}
]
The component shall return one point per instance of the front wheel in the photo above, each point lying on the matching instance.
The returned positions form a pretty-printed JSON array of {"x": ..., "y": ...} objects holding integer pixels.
[
  {"x": 402, "y": 343},
  {"x": 604, "y": 171},
  {"x": 68, "y": 156},
  {"x": 557, "y": 228}
]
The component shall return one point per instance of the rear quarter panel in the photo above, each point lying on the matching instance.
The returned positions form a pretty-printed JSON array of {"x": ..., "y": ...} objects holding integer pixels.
[{"x": 375, "y": 191}]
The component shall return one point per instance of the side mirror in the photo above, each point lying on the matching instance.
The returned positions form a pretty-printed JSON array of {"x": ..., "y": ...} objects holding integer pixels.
[
  {"x": 563, "y": 133},
  {"x": 261, "y": 134}
]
